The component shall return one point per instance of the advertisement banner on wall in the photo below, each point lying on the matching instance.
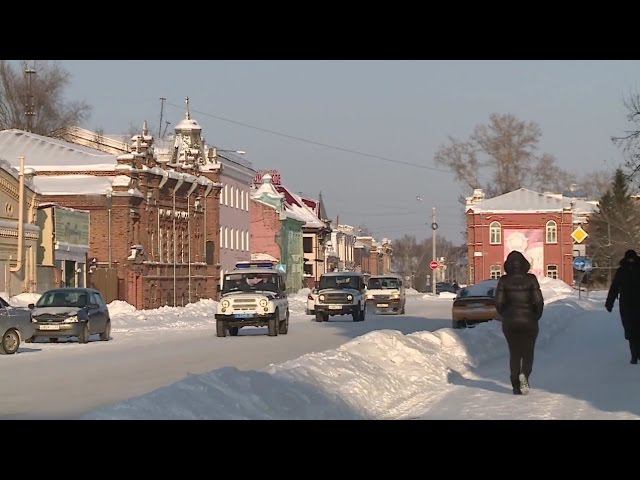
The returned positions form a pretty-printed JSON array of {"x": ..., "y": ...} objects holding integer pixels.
[
  {"x": 72, "y": 226},
  {"x": 528, "y": 242}
]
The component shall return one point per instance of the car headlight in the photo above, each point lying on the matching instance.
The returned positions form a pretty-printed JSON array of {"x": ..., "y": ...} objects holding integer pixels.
[
  {"x": 225, "y": 303},
  {"x": 321, "y": 298},
  {"x": 349, "y": 297},
  {"x": 395, "y": 295},
  {"x": 263, "y": 302},
  {"x": 72, "y": 319},
  {"x": 369, "y": 296}
]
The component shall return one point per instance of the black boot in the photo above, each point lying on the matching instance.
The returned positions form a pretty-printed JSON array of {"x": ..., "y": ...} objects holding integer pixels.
[
  {"x": 516, "y": 386},
  {"x": 634, "y": 352}
]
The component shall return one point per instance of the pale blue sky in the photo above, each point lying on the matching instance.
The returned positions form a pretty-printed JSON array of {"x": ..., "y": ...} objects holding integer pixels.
[{"x": 398, "y": 109}]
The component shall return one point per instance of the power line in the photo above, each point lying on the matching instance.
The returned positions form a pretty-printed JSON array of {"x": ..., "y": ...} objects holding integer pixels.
[{"x": 313, "y": 142}]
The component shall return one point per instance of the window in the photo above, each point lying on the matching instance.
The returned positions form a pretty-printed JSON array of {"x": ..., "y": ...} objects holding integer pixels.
[
  {"x": 231, "y": 240},
  {"x": 231, "y": 199},
  {"x": 210, "y": 249},
  {"x": 307, "y": 244},
  {"x": 495, "y": 233},
  {"x": 247, "y": 244},
  {"x": 237, "y": 239},
  {"x": 241, "y": 200},
  {"x": 220, "y": 237},
  {"x": 237, "y": 198},
  {"x": 242, "y": 241},
  {"x": 226, "y": 195},
  {"x": 308, "y": 269},
  {"x": 552, "y": 232},
  {"x": 552, "y": 271},
  {"x": 495, "y": 272},
  {"x": 226, "y": 237},
  {"x": 247, "y": 204},
  {"x": 221, "y": 196}
]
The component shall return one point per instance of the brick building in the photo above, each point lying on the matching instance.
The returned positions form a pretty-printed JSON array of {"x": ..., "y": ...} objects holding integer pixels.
[
  {"x": 154, "y": 220},
  {"x": 537, "y": 224}
]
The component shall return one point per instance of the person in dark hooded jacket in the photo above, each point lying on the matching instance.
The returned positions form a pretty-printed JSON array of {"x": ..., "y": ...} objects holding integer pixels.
[
  {"x": 519, "y": 302},
  {"x": 626, "y": 286}
]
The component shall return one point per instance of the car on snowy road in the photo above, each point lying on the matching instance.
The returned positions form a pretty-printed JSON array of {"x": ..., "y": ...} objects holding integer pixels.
[
  {"x": 385, "y": 294},
  {"x": 15, "y": 324},
  {"x": 71, "y": 312},
  {"x": 341, "y": 293},
  {"x": 475, "y": 303}
]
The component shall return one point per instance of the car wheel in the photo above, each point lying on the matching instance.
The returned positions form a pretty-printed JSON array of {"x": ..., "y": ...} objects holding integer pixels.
[
  {"x": 457, "y": 323},
  {"x": 363, "y": 313},
  {"x": 10, "y": 342},
  {"x": 233, "y": 331},
  {"x": 284, "y": 325},
  {"x": 221, "y": 328},
  {"x": 357, "y": 314},
  {"x": 320, "y": 317},
  {"x": 104, "y": 336},
  {"x": 53, "y": 339},
  {"x": 274, "y": 324},
  {"x": 402, "y": 310},
  {"x": 30, "y": 340},
  {"x": 84, "y": 335}
]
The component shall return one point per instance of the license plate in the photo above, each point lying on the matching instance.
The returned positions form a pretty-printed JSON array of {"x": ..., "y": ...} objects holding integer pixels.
[
  {"x": 335, "y": 307},
  {"x": 243, "y": 315},
  {"x": 383, "y": 305},
  {"x": 49, "y": 327}
]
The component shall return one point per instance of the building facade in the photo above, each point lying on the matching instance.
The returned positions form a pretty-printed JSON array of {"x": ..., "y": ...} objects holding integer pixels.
[
  {"x": 235, "y": 217},
  {"x": 537, "y": 224}
]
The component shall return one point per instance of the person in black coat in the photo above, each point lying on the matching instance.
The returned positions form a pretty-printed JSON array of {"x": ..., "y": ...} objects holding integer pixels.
[
  {"x": 519, "y": 302},
  {"x": 626, "y": 286}
]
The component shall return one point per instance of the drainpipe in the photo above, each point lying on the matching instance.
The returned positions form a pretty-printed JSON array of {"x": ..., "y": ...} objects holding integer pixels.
[
  {"x": 18, "y": 266},
  {"x": 175, "y": 189},
  {"x": 109, "y": 204},
  {"x": 193, "y": 187},
  {"x": 204, "y": 201}
]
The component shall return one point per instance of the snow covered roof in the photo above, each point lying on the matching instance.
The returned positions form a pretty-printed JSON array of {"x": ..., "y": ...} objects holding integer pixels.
[
  {"x": 521, "y": 200},
  {"x": 45, "y": 151},
  {"x": 299, "y": 207},
  {"x": 73, "y": 184}
]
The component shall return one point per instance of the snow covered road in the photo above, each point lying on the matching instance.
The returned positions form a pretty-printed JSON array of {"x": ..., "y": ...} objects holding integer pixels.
[{"x": 153, "y": 349}]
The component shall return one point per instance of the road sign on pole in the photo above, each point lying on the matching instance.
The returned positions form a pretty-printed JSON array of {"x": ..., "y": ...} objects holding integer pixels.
[{"x": 433, "y": 264}]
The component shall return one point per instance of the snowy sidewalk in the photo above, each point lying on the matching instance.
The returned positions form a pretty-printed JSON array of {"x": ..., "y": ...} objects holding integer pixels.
[{"x": 583, "y": 373}]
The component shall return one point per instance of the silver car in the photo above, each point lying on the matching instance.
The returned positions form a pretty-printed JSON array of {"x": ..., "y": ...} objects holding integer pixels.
[{"x": 15, "y": 324}]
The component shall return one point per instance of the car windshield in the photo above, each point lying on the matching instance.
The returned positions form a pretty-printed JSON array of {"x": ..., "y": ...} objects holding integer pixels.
[
  {"x": 250, "y": 282},
  {"x": 382, "y": 283},
  {"x": 4, "y": 303},
  {"x": 70, "y": 298},
  {"x": 487, "y": 289},
  {"x": 340, "y": 281}
]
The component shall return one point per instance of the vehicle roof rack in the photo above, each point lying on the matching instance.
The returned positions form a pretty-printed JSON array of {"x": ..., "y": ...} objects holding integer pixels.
[{"x": 264, "y": 264}]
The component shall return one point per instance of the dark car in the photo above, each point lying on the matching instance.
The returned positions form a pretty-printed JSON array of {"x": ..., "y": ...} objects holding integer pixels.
[
  {"x": 71, "y": 312},
  {"x": 475, "y": 303},
  {"x": 445, "y": 287},
  {"x": 15, "y": 324}
]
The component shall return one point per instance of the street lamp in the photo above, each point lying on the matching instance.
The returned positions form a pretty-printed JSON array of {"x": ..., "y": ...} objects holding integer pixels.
[{"x": 434, "y": 227}]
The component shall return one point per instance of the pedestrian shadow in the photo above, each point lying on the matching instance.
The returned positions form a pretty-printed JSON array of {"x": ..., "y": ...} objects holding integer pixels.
[{"x": 456, "y": 378}]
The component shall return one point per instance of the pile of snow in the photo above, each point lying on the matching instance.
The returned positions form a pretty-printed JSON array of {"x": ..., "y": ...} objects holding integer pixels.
[
  {"x": 411, "y": 291},
  {"x": 381, "y": 375},
  {"x": 553, "y": 289},
  {"x": 298, "y": 302},
  {"x": 125, "y": 317},
  {"x": 24, "y": 299},
  {"x": 447, "y": 295}
]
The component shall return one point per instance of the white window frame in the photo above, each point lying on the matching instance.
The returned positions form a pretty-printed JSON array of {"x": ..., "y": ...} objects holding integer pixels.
[
  {"x": 247, "y": 244},
  {"x": 226, "y": 195},
  {"x": 493, "y": 269},
  {"x": 554, "y": 269},
  {"x": 221, "y": 195},
  {"x": 226, "y": 237},
  {"x": 495, "y": 231},
  {"x": 551, "y": 228},
  {"x": 237, "y": 198}
]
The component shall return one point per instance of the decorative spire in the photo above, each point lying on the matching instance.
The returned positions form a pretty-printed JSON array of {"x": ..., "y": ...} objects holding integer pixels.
[
  {"x": 188, "y": 114},
  {"x": 145, "y": 130}
]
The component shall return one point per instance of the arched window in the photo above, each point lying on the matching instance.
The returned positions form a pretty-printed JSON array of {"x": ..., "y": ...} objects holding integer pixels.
[
  {"x": 226, "y": 195},
  {"x": 226, "y": 237},
  {"x": 221, "y": 240},
  {"x": 242, "y": 241},
  {"x": 231, "y": 199},
  {"x": 237, "y": 198},
  {"x": 221, "y": 196},
  {"x": 247, "y": 244},
  {"x": 495, "y": 233},
  {"x": 237, "y": 239},
  {"x": 552, "y": 232}
]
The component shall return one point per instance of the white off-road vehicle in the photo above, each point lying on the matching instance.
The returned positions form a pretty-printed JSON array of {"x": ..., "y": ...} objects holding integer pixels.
[
  {"x": 341, "y": 293},
  {"x": 385, "y": 294},
  {"x": 253, "y": 294}
]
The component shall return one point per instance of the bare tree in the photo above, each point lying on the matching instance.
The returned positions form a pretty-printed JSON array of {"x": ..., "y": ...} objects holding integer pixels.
[
  {"x": 630, "y": 142},
  {"x": 595, "y": 184},
  {"x": 506, "y": 150},
  {"x": 46, "y": 94}
]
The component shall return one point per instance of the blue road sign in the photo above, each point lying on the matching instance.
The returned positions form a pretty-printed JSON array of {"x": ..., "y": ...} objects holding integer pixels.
[{"x": 583, "y": 264}]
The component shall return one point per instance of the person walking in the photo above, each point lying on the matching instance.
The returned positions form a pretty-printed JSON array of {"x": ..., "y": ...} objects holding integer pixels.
[
  {"x": 520, "y": 303},
  {"x": 626, "y": 286}
]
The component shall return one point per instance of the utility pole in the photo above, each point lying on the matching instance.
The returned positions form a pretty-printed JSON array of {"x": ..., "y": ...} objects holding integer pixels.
[
  {"x": 434, "y": 227},
  {"x": 162, "y": 100},
  {"x": 30, "y": 113}
]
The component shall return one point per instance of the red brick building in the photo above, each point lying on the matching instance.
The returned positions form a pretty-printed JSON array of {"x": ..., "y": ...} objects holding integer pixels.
[
  {"x": 537, "y": 224},
  {"x": 154, "y": 219}
]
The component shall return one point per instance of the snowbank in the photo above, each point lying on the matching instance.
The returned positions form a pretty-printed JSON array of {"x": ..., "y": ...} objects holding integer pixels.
[
  {"x": 298, "y": 302},
  {"x": 381, "y": 375},
  {"x": 447, "y": 295},
  {"x": 24, "y": 299},
  {"x": 125, "y": 317},
  {"x": 411, "y": 291}
]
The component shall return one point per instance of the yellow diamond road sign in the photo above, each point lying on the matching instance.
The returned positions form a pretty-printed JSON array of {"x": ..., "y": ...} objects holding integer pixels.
[{"x": 579, "y": 235}]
